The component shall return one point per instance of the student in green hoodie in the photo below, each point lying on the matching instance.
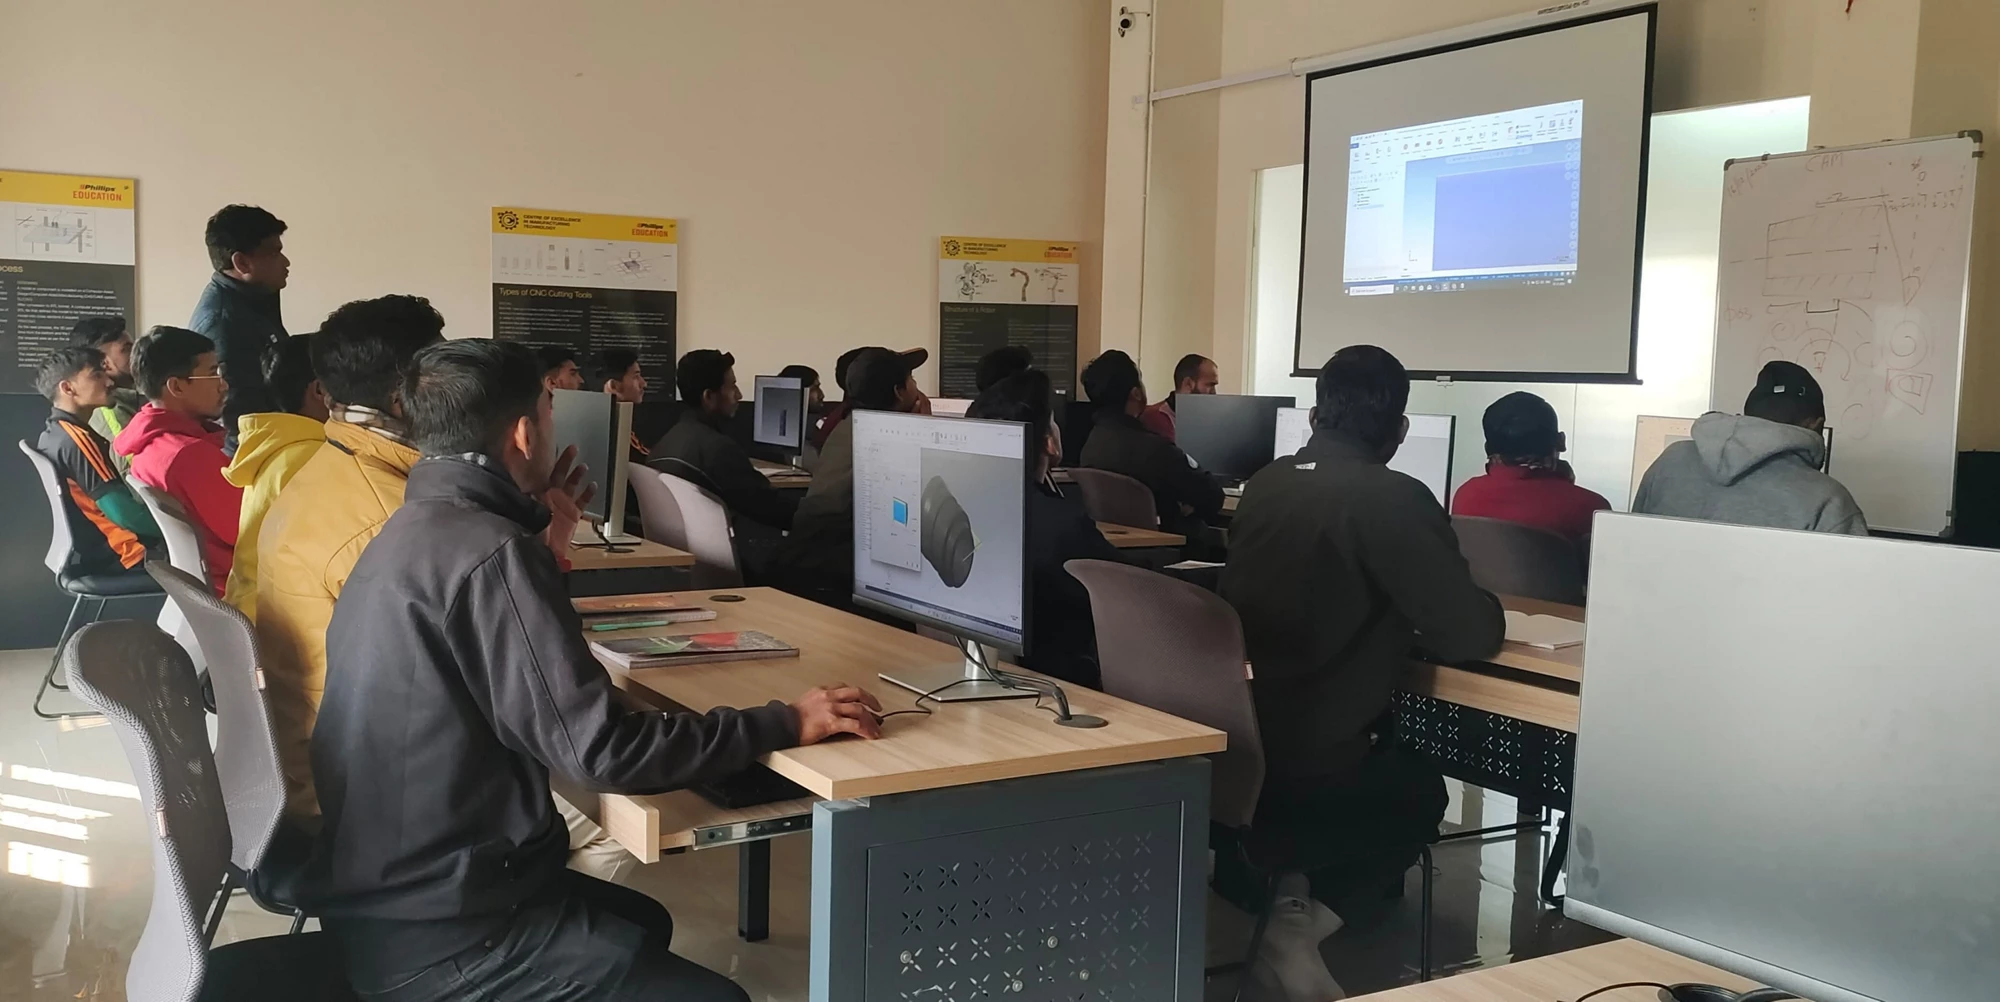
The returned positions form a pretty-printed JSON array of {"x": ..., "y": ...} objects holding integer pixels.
[{"x": 270, "y": 447}]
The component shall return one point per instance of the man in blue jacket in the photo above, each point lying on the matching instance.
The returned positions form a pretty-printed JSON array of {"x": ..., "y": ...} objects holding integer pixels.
[{"x": 239, "y": 308}]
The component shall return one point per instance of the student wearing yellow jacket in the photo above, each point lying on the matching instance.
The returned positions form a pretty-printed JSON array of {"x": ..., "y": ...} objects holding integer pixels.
[{"x": 270, "y": 448}]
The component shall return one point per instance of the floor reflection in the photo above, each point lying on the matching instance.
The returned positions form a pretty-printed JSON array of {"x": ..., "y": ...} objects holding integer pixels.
[{"x": 78, "y": 883}]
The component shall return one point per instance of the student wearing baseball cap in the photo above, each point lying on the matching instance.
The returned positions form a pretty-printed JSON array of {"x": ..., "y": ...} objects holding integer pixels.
[
  {"x": 913, "y": 358},
  {"x": 1759, "y": 468}
]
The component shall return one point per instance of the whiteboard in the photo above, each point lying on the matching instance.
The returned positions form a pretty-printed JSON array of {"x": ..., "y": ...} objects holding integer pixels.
[{"x": 1853, "y": 263}]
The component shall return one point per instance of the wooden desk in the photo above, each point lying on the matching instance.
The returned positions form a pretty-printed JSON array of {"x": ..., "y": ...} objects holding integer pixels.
[
  {"x": 644, "y": 553},
  {"x": 1522, "y": 682},
  {"x": 948, "y": 817},
  {"x": 783, "y": 477},
  {"x": 1128, "y": 537},
  {"x": 1568, "y": 976}
]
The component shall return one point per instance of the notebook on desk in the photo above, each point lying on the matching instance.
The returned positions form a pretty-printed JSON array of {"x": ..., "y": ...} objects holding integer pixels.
[
  {"x": 1550, "y": 633},
  {"x": 668, "y": 650}
]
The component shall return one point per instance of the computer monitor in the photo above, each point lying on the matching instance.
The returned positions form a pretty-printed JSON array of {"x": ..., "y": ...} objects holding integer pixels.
[
  {"x": 1785, "y": 762},
  {"x": 1426, "y": 453},
  {"x": 940, "y": 530},
  {"x": 779, "y": 409},
  {"x": 1228, "y": 435},
  {"x": 1292, "y": 432},
  {"x": 949, "y": 406},
  {"x": 601, "y": 429}
]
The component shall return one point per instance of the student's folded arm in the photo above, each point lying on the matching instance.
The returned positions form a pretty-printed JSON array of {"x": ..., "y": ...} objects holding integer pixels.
[
  {"x": 128, "y": 512},
  {"x": 1198, "y": 489},
  {"x": 1408, "y": 547},
  {"x": 752, "y": 494},
  {"x": 553, "y": 701}
]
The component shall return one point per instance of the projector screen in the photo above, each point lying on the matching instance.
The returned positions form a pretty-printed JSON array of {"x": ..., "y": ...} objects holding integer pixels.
[{"x": 1477, "y": 208}]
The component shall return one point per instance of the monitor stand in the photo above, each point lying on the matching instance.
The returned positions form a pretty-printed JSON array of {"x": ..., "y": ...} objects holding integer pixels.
[{"x": 957, "y": 681}]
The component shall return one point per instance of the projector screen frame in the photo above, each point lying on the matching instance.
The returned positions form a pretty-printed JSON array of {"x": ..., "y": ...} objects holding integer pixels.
[{"x": 1543, "y": 21}]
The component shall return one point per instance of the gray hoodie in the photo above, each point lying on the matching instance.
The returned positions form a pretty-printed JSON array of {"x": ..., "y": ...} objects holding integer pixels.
[{"x": 1749, "y": 471}]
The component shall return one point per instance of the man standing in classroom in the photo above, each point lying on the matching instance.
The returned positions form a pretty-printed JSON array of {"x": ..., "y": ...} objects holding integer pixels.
[{"x": 239, "y": 308}]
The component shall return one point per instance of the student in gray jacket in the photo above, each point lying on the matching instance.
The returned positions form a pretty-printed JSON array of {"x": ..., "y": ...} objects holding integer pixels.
[{"x": 1760, "y": 468}]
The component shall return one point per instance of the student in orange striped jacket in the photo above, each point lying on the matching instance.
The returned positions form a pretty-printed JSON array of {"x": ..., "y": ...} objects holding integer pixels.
[{"x": 111, "y": 528}]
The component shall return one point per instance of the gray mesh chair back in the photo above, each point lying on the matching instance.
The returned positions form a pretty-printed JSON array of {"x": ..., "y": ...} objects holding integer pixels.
[
  {"x": 1508, "y": 558},
  {"x": 61, "y": 543},
  {"x": 692, "y": 519},
  {"x": 1116, "y": 498},
  {"x": 1178, "y": 648},
  {"x": 184, "y": 552},
  {"x": 246, "y": 751},
  {"x": 144, "y": 685}
]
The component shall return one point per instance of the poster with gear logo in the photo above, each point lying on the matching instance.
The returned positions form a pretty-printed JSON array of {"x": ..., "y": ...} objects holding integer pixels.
[
  {"x": 588, "y": 282},
  {"x": 67, "y": 251},
  {"x": 994, "y": 292}
]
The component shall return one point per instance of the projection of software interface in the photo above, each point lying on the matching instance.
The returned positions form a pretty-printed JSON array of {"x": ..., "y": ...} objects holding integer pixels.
[{"x": 1474, "y": 208}]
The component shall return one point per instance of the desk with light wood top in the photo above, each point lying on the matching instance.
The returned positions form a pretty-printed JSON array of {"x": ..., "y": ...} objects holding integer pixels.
[
  {"x": 1525, "y": 683},
  {"x": 948, "y": 813},
  {"x": 1567, "y": 976},
  {"x": 642, "y": 554},
  {"x": 783, "y": 477},
  {"x": 1129, "y": 537}
]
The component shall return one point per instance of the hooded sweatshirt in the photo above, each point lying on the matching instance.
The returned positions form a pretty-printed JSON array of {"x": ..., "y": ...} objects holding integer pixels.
[
  {"x": 181, "y": 457},
  {"x": 269, "y": 449},
  {"x": 1749, "y": 471}
]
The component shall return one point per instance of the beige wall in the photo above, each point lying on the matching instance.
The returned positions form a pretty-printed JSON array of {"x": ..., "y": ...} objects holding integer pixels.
[{"x": 813, "y": 151}]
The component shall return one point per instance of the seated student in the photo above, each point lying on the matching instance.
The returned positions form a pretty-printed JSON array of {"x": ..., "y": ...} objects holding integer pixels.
[
  {"x": 619, "y": 374},
  {"x": 559, "y": 368},
  {"x": 1762, "y": 468},
  {"x": 817, "y": 560},
  {"x": 710, "y": 396},
  {"x": 808, "y": 377},
  {"x": 1339, "y": 567},
  {"x": 1001, "y": 362},
  {"x": 1059, "y": 530},
  {"x": 337, "y": 502},
  {"x": 110, "y": 336},
  {"x": 176, "y": 444},
  {"x": 1193, "y": 374},
  {"x": 1526, "y": 480},
  {"x": 270, "y": 449},
  {"x": 1120, "y": 443},
  {"x": 456, "y": 649},
  {"x": 118, "y": 527},
  {"x": 836, "y": 413}
]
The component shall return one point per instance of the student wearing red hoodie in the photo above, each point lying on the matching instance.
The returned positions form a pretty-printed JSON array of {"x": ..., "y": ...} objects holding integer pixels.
[
  {"x": 176, "y": 444},
  {"x": 1526, "y": 480}
]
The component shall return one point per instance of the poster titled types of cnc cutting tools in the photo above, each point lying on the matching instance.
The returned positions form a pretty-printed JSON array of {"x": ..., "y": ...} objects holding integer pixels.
[
  {"x": 994, "y": 292},
  {"x": 67, "y": 251},
  {"x": 587, "y": 282}
]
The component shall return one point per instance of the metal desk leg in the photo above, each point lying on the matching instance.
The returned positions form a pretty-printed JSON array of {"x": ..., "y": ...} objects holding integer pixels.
[
  {"x": 1558, "y": 855},
  {"x": 753, "y": 891}
]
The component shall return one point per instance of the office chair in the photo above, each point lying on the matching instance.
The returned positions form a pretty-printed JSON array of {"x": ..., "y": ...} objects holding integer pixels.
[
  {"x": 680, "y": 510},
  {"x": 1178, "y": 648},
  {"x": 1508, "y": 558},
  {"x": 184, "y": 553},
  {"x": 246, "y": 747},
  {"x": 1116, "y": 498},
  {"x": 61, "y": 560},
  {"x": 144, "y": 684}
]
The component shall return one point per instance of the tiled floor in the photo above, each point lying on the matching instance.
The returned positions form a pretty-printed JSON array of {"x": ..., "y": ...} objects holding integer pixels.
[{"x": 78, "y": 880}]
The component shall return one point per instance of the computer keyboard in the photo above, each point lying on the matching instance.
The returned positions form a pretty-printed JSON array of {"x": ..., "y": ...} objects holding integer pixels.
[{"x": 749, "y": 788}]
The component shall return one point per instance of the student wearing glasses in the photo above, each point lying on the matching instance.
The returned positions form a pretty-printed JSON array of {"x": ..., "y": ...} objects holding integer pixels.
[{"x": 176, "y": 443}]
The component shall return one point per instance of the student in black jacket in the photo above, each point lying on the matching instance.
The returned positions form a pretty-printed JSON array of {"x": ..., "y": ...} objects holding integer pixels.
[
  {"x": 457, "y": 680},
  {"x": 709, "y": 398},
  {"x": 1339, "y": 567},
  {"x": 1119, "y": 443},
  {"x": 1062, "y": 638},
  {"x": 238, "y": 309}
]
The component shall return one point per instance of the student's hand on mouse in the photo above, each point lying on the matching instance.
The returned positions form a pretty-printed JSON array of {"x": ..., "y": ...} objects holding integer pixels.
[
  {"x": 837, "y": 709},
  {"x": 568, "y": 491}
]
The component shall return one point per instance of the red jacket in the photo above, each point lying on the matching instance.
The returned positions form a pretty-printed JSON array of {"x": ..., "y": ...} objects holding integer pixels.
[
  {"x": 1160, "y": 419},
  {"x": 1545, "y": 499},
  {"x": 182, "y": 457}
]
